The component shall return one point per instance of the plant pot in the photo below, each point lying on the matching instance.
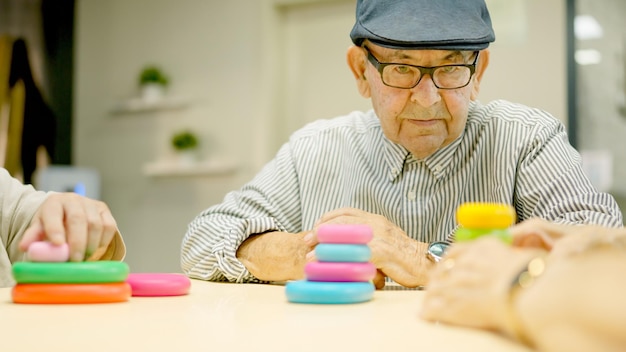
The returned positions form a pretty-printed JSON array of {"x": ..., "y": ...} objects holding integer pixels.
[
  {"x": 187, "y": 157},
  {"x": 152, "y": 92}
]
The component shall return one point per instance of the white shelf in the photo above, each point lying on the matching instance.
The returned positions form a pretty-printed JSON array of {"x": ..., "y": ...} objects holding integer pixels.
[
  {"x": 200, "y": 168},
  {"x": 136, "y": 105}
]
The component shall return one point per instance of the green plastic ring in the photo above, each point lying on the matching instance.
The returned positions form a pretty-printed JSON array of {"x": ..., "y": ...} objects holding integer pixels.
[
  {"x": 463, "y": 234},
  {"x": 70, "y": 272}
]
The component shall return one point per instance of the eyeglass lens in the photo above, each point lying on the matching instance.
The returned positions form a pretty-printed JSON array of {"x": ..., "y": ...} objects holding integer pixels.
[{"x": 403, "y": 76}]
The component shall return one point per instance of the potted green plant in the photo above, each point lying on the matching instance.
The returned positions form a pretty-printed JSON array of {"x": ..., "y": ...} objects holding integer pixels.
[
  {"x": 152, "y": 82},
  {"x": 185, "y": 143}
]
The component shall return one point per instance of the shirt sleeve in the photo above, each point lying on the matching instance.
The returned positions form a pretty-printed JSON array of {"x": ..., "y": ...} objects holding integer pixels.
[
  {"x": 552, "y": 184},
  {"x": 18, "y": 204},
  {"x": 270, "y": 202}
]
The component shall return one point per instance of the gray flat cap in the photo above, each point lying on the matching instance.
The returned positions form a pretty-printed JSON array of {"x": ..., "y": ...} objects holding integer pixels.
[{"x": 424, "y": 24}]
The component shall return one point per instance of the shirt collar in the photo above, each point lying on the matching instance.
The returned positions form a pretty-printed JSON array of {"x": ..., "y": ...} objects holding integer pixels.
[{"x": 396, "y": 156}]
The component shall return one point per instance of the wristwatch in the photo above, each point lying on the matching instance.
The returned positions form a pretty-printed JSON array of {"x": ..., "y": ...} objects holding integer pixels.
[{"x": 436, "y": 250}]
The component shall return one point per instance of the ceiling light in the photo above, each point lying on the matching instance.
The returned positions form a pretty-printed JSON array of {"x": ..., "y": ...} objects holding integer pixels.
[
  {"x": 588, "y": 57},
  {"x": 586, "y": 27}
]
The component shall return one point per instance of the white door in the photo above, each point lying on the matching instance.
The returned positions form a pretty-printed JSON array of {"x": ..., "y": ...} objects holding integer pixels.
[{"x": 316, "y": 82}]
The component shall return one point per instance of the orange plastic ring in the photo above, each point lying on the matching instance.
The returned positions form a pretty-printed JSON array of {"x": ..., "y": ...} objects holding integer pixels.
[
  {"x": 485, "y": 215},
  {"x": 71, "y": 293}
]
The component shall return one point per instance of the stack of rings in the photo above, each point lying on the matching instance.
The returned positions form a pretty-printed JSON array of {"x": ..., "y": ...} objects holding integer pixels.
[
  {"x": 343, "y": 273},
  {"x": 480, "y": 219},
  {"x": 48, "y": 278}
]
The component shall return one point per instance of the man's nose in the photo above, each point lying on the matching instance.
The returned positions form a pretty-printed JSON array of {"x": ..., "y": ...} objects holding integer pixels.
[{"x": 425, "y": 92}]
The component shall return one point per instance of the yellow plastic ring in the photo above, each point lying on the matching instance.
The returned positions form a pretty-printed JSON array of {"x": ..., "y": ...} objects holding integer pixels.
[{"x": 478, "y": 215}]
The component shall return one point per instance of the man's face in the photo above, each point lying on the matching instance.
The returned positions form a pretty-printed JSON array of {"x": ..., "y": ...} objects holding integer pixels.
[{"x": 424, "y": 118}]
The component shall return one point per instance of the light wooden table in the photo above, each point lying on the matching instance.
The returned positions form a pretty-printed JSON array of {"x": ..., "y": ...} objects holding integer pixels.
[{"x": 236, "y": 317}]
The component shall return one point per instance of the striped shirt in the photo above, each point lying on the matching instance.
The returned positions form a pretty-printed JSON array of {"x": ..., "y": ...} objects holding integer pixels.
[{"x": 508, "y": 153}]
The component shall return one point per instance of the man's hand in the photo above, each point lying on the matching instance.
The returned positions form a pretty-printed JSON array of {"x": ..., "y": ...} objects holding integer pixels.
[
  {"x": 274, "y": 256},
  {"x": 393, "y": 253},
  {"x": 86, "y": 225}
]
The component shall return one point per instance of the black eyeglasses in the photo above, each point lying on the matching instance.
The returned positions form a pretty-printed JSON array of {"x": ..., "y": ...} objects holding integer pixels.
[{"x": 408, "y": 76}]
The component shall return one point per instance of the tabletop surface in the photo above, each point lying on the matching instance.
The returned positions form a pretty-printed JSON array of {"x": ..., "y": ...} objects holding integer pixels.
[{"x": 236, "y": 317}]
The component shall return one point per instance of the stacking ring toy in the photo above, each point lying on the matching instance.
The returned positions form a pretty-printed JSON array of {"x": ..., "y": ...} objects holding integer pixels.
[
  {"x": 464, "y": 234},
  {"x": 485, "y": 215},
  {"x": 70, "y": 272},
  {"x": 44, "y": 251},
  {"x": 339, "y": 272},
  {"x": 328, "y": 292},
  {"x": 157, "y": 284},
  {"x": 335, "y": 252},
  {"x": 344, "y": 233},
  {"x": 71, "y": 293}
]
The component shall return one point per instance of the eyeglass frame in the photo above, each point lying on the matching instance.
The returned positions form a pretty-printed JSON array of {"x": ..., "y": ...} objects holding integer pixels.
[{"x": 429, "y": 70}]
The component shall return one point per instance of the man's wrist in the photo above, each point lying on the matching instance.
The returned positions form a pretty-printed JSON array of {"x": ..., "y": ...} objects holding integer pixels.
[
  {"x": 436, "y": 250},
  {"x": 406, "y": 263},
  {"x": 424, "y": 264}
]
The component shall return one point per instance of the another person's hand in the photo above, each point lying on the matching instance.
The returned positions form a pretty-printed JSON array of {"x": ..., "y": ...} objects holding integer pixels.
[
  {"x": 537, "y": 233},
  {"x": 392, "y": 250},
  {"x": 561, "y": 239},
  {"x": 86, "y": 225},
  {"x": 470, "y": 287}
]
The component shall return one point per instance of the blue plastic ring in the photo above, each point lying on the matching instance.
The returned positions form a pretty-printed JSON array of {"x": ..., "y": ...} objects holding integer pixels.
[
  {"x": 317, "y": 292},
  {"x": 327, "y": 252}
]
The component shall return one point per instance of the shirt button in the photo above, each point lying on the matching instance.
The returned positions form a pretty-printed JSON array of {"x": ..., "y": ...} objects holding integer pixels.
[
  {"x": 411, "y": 195},
  {"x": 437, "y": 168},
  {"x": 394, "y": 171}
]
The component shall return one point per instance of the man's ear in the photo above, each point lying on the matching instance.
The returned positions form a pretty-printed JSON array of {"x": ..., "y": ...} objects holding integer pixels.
[
  {"x": 357, "y": 64},
  {"x": 481, "y": 67}
]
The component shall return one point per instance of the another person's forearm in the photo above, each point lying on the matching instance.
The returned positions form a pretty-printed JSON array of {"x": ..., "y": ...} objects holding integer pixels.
[
  {"x": 274, "y": 256},
  {"x": 18, "y": 205},
  {"x": 577, "y": 304}
]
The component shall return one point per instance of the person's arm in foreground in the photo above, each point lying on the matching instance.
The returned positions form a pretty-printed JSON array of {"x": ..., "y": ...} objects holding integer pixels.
[{"x": 576, "y": 304}]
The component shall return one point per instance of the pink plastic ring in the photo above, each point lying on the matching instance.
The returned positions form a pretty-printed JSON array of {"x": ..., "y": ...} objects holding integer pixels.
[
  {"x": 44, "y": 251},
  {"x": 339, "y": 271},
  {"x": 158, "y": 284},
  {"x": 344, "y": 233}
]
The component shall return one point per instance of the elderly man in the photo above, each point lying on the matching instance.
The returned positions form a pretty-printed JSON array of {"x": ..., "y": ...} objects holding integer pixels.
[{"x": 404, "y": 167}]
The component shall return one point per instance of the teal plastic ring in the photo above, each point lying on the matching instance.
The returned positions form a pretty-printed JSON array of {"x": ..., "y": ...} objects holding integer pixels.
[
  {"x": 331, "y": 252},
  {"x": 70, "y": 272},
  {"x": 311, "y": 292}
]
